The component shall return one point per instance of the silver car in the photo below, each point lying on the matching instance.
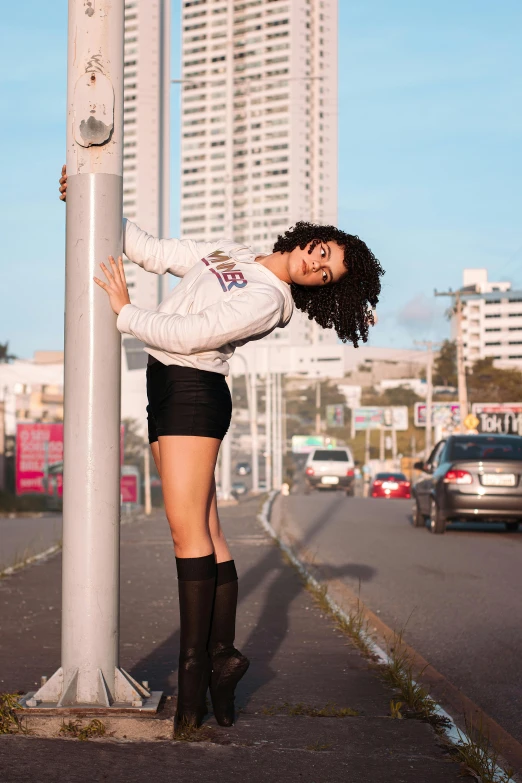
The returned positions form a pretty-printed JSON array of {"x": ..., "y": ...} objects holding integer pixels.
[
  {"x": 330, "y": 469},
  {"x": 470, "y": 477}
]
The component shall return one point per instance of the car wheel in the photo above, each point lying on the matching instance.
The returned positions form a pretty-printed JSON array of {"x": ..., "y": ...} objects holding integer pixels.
[
  {"x": 350, "y": 492},
  {"x": 512, "y": 527},
  {"x": 437, "y": 523},
  {"x": 419, "y": 520}
]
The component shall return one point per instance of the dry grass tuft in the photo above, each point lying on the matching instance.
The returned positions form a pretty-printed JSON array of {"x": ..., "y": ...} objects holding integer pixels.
[
  {"x": 10, "y": 723},
  {"x": 75, "y": 729}
]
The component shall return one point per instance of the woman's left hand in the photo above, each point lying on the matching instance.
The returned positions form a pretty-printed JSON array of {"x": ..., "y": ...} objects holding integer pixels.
[{"x": 116, "y": 285}]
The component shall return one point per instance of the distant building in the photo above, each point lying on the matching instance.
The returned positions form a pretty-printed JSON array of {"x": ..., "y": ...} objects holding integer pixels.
[
  {"x": 491, "y": 320},
  {"x": 146, "y": 134},
  {"x": 259, "y": 118}
]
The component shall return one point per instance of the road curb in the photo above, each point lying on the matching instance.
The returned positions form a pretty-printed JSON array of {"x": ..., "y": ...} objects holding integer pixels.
[{"x": 449, "y": 699}]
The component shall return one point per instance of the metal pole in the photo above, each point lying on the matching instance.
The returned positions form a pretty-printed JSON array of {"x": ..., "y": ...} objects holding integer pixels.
[
  {"x": 274, "y": 431},
  {"x": 429, "y": 398},
  {"x": 318, "y": 407},
  {"x": 254, "y": 432},
  {"x": 461, "y": 369},
  {"x": 381, "y": 445},
  {"x": 89, "y": 674},
  {"x": 268, "y": 431},
  {"x": 146, "y": 467}
]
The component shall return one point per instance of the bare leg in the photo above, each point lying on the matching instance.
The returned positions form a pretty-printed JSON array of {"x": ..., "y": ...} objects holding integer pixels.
[
  {"x": 216, "y": 533},
  {"x": 219, "y": 541},
  {"x": 187, "y": 478}
]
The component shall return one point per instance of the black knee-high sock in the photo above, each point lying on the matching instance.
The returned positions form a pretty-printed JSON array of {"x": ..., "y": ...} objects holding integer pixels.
[
  {"x": 196, "y": 582},
  {"x": 223, "y": 627}
]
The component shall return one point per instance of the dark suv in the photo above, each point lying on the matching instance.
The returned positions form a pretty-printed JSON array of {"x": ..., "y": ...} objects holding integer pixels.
[{"x": 470, "y": 477}]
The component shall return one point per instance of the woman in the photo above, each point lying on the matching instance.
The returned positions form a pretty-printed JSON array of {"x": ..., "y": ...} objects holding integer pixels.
[{"x": 227, "y": 296}]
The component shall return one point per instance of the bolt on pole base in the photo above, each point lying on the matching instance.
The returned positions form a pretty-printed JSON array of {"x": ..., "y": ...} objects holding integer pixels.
[{"x": 128, "y": 696}]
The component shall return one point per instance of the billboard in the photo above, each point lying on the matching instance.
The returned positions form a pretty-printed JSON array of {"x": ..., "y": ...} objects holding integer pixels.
[
  {"x": 38, "y": 446},
  {"x": 442, "y": 413},
  {"x": 335, "y": 415},
  {"x": 377, "y": 417},
  {"x": 304, "y": 444},
  {"x": 129, "y": 488},
  {"x": 503, "y": 418}
]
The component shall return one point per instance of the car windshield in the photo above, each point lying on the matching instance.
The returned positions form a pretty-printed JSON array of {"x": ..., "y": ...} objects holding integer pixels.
[
  {"x": 330, "y": 456},
  {"x": 494, "y": 448},
  {"x": 391, "y": 477}
]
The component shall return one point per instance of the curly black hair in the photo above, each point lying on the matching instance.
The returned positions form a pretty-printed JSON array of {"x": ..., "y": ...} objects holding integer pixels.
[{"x": 345, "y": 305}]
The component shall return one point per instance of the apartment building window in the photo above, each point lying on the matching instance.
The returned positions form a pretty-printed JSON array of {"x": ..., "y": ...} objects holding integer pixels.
[{"x": 514, "y": 315}]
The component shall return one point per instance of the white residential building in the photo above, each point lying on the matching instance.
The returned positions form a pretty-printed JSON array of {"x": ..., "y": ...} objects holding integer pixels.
[
  {"x": 146, "y": 129},
  {"x": 259, "y": 124},
  {"x": 491, "y": 320},
  {"x": 259, "y": 117}
]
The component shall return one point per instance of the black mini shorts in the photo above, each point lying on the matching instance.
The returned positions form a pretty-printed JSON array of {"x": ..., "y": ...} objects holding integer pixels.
[{"x": 187, "y": 401}]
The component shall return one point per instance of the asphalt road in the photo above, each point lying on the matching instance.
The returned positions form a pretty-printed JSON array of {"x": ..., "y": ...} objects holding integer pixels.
[
  {"x": 22, "y": 537},
  {"x": 458, "y": 595}
]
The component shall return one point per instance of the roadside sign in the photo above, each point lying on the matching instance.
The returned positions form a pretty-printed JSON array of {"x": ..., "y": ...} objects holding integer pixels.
[
  {"x": 471, "y": 422},
  {"x": 503, "y": 417},
  {"x": 370, "y": 417},
  {"x": 445, "y": 415},
  {"x": 304, "y": 444},
  {"x": 335, "y": 415},
  {"x": 129, "y": 488},
  {"x": 38, "y": 446}
]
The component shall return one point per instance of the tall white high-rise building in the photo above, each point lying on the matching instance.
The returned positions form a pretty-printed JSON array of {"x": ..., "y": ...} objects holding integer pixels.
[
  {"x": 491, "y": 320},
  {"x": 146, "y": 131},
  {"x": 259, "y": 117}
]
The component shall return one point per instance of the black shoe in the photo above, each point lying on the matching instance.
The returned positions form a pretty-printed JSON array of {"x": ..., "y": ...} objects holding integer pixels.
[
  {"x": 193, "y": 678},
  {"x": 228, "y": 667}
]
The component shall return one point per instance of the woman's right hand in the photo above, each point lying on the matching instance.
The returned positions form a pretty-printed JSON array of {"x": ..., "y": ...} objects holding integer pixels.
[{"x": 63, "y": 184}]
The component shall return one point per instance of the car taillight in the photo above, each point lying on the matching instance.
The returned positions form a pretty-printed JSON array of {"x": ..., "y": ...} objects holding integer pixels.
[
  {"x": 350, "y": 472},
  {"x": 404, "y": 483},
  {"x": 310, "y": 472},
  {"x": 377, "y": 483},
  {"x": 458, "y": 477}
]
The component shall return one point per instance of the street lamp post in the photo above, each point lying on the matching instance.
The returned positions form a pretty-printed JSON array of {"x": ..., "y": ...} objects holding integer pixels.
[{"x": 89, "y": 676}]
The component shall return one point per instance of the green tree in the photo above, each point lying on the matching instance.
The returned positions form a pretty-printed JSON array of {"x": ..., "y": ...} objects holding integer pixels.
[
  {"x": 487, "y": 383},
  {"x": 445, "y": 365},
  {"x": 5, "y": 356}
]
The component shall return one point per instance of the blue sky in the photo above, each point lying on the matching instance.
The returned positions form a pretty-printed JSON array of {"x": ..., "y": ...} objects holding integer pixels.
[{"x": 430, "y": 167}]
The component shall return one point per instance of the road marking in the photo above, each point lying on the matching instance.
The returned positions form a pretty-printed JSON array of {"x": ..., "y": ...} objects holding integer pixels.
[{"x": 440, "y": 688}]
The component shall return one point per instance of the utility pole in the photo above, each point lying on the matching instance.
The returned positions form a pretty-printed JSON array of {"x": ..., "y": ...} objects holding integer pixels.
[
  {"x": 461, "y": 368},
  {"x": 318, "y": 407},
  {"x": 429, "y": 345},
  {"x": 89, "y": 676},
  {"x": 268, "y": 430},
  {"x": 254, "y": 432}
]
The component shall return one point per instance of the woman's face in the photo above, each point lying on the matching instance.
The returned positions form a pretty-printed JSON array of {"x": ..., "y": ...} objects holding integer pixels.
[{"x": 324, "y": 265}]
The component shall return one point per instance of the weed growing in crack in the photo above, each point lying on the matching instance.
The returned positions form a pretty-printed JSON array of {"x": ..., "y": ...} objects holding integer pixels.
[
  {"x": 477, "y": 756},
  {"x": 10, "y": 723},
  {"x": 187, "y": 733},
  {"x": 74, "y": 729}
]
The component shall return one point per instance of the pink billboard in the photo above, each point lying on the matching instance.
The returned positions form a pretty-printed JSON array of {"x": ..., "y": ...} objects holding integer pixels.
[
  {"x": 129, "y": 488},
  {"x": 32, "y": 442}
]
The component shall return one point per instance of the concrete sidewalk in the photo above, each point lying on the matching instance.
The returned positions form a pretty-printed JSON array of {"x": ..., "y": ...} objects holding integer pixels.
[{"x": 298, "y": 658}]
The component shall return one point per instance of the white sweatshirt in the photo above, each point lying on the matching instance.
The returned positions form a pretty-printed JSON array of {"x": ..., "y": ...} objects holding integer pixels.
[{"x": 225, "y": 299}]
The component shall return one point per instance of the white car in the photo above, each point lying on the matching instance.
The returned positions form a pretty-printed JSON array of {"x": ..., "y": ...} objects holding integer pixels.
[{"x": 330, "y": 469}]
